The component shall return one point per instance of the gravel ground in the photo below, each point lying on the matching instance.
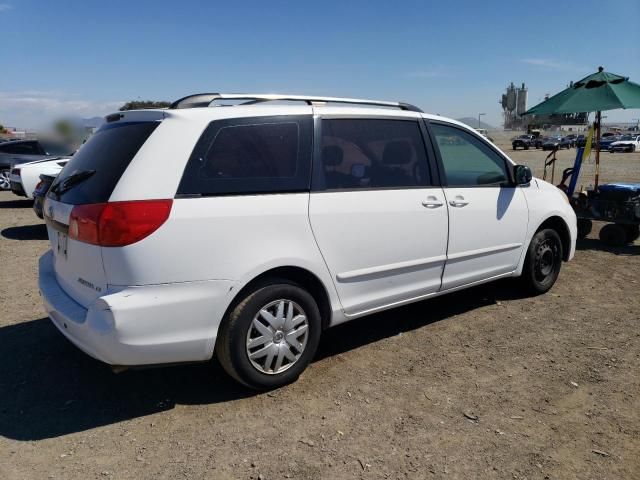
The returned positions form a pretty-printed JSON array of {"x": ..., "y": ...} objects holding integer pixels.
[{"x": 479, "y": 384}]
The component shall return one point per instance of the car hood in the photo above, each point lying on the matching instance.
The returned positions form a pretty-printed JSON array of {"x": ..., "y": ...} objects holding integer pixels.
[{"x": 623, "y": 142}]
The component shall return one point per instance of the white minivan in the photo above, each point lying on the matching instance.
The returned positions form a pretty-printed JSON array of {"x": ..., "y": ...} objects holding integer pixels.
[{"x": 244, "y": 225}]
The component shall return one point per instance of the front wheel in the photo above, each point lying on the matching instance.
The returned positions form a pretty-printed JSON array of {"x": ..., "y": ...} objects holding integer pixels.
[
  {"x": 270, "y": 337},
  {"x": 543, "y": 261}
]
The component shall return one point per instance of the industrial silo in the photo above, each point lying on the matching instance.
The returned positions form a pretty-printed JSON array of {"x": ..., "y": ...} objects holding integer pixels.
[
  {"x": 511, "y": 97},
  {"x": 522, "y": 101}
]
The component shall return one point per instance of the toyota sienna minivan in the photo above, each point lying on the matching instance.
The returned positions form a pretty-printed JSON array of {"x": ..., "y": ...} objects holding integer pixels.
[{"x": 243, "y": 226}]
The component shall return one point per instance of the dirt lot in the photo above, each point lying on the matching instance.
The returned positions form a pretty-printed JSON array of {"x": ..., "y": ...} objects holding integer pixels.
[{"x": 478, "y": 384}]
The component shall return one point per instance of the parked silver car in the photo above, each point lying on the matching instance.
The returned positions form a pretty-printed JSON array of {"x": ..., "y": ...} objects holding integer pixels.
[{"x": 16, "y": 152}]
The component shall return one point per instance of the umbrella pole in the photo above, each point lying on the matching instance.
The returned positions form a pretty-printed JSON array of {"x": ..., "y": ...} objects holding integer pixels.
[{"x": 598, "y": 119}]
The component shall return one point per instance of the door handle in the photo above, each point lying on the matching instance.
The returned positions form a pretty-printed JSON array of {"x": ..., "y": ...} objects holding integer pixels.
[
  {"x": 458, "y": 201},
  {"x": 432, "y": 202}
]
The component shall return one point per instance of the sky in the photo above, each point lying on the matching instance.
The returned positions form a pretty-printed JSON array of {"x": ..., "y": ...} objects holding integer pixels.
[{"x": 454, "y": 58}]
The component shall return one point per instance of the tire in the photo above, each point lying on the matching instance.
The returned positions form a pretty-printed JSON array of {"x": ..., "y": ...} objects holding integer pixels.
[
  {"x": 584, "y": 227},
  {"x": 632, "y": 232},
  {"x": 543, "y": 262},
  {"x": 278, "y": 344},
  {"x": 633, "y": 148},
  {"x": 4, "y": 180},
  {"x": 526, "y": 147},
  {"x": 613, "y": 235}
]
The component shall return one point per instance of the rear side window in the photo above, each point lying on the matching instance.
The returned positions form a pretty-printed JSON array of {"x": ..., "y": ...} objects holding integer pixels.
[
  {"x": 108, "y": 152},
  {"x": 371, "y": 153},
  {"x": 251, "y": 155}
]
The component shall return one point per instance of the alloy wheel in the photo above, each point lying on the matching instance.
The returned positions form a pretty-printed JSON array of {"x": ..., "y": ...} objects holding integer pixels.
[{"x": 4, "y": 180}]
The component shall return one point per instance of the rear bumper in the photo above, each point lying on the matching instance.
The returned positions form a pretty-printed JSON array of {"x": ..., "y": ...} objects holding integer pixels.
[
  {"x": 143, "y": 325},
  {"x": 16, "y": 187}
]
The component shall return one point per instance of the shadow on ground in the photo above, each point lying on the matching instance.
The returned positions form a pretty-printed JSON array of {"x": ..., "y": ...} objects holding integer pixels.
[
  {"x": 16, "y": 204},
  {"x": 26, "y": 232},
  {"x": 595, "y": 244},
  {"x": 49, "y": 388}
]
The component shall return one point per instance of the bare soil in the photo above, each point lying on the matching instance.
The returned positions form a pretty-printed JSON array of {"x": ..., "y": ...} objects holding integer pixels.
[{"x": 484, "y": 383}]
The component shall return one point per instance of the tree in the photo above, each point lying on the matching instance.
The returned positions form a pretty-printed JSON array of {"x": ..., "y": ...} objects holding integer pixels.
[
  {"x": 63, "y": 128},
  {"x": 2, "y": 129},
  {"x": 143, "y": 104}
]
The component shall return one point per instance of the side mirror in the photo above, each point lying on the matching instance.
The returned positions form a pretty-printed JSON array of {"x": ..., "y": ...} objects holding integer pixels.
[{"x": 522, "y": 174}]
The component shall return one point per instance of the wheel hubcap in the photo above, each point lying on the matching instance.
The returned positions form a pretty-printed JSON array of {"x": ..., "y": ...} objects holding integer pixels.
[
  {"x": 4, "y": 181},
  {"x": 546, "y": 254},
  {"x": 277, "y": 336}
]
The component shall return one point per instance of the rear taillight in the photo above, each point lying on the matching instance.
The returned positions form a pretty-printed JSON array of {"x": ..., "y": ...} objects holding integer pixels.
[
  {"x": 38, "y": 185},
  {"x": 15, "y": 171},
  {"x": 116, "y": 224}
]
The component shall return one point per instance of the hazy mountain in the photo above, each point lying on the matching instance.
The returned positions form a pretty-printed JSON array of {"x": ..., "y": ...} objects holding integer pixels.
[
  {"x": 92, "y": 122},
  {"x": 473, "y": 122}
]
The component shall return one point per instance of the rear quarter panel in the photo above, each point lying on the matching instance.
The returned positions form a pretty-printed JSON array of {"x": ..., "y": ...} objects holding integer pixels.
[{"x": 223, "y": 238}]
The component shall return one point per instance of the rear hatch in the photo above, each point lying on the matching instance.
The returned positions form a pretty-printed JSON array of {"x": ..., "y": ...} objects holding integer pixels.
[{"x": 89, "y": 178}]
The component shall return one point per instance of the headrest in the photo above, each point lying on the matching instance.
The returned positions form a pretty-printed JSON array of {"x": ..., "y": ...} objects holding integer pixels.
[
  {"x": 332, "y": 156},
  {"x": 398, "y": 152}
]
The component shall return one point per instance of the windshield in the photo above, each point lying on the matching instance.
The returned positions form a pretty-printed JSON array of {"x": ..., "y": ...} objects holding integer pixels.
[
  {"x": 106, "y": 154},
  {"x": 53, "y": 148}
]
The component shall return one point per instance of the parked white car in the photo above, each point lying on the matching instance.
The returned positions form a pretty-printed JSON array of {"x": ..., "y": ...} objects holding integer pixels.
[
  {"x": 245, "y": 231},
  {"x": 628, "y": 143},
  {"x": 24, "y": 178}
]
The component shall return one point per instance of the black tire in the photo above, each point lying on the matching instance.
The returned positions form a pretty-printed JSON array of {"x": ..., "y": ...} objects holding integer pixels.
[
  {"x": 526, "y": 147},
  {"x": 632, "y": 231},
  {"x": 613, "y": 235},
  {"x": 584, "y": 227},
  {"x": 231, "y": 343},
  {"x": 543, "y": 262}
]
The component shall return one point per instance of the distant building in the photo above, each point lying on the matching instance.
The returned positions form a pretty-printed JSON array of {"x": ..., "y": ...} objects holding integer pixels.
[
  {"x": 15, "y": 133},
  {"x": 514, "y": 106}
]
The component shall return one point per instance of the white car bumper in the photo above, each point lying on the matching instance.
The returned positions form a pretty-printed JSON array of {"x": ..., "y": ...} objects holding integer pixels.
[{"x": 143, "y": 325}]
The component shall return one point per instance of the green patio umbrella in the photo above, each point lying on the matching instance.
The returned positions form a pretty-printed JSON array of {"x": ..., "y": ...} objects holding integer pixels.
[{"x": 595, "y": 93}]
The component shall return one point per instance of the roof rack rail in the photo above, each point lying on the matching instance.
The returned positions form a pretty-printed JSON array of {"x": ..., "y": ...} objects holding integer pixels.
[{"x": 205, "y": 99}]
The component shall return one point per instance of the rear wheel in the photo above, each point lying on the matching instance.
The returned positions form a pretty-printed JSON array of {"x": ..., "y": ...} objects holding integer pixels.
[
  {"x": 270, "y": 337},
  {"x": 584, "y": 227},
  {"x": 613, "y": 235},
  {"x": 632, "y": 231},
  {"x": 543, "y": 261}
]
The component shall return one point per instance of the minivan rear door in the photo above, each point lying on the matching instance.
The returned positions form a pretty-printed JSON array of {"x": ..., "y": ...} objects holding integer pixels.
[{"x": 89, "y": 177}]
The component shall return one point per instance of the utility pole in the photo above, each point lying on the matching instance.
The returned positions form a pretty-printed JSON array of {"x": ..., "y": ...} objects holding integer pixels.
[{"x": 479, "y": 115}]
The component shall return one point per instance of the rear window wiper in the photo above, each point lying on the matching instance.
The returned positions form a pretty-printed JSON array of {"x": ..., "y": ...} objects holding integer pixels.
[{"x": 75, "y": 178}]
